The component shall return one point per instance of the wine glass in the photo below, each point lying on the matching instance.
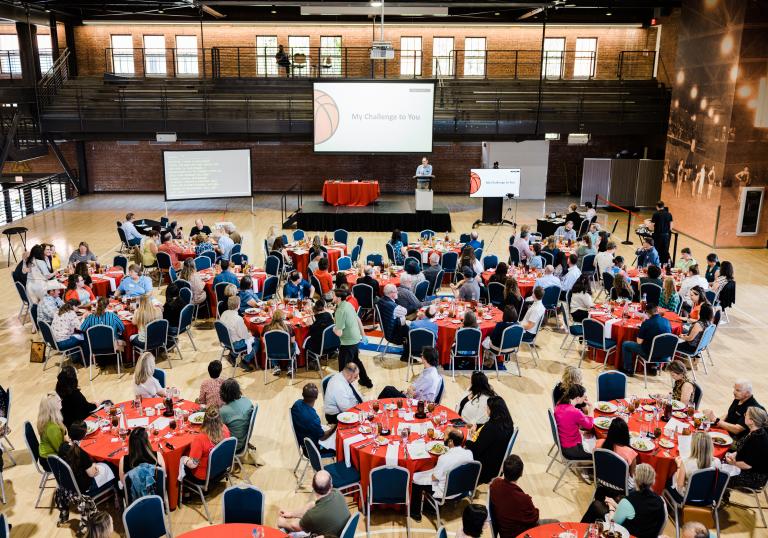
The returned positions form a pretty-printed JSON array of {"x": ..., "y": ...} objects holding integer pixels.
[
  {"x": 172, "y": 426},
  {"x": 404, "y": 433},
  {"x": 115, "y": 422},
  {"x": 399, "y": 403},
  {"x": 375, "y": 406}
]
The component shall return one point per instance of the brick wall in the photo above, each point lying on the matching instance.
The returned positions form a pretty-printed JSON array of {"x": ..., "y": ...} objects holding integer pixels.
[{"x": 48, "y": 164}]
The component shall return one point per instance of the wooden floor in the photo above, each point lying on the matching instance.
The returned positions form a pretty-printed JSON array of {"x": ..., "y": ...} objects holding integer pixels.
[{"x": 92, "y": 218}]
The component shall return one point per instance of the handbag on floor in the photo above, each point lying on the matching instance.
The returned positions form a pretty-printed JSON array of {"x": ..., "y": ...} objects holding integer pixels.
[{"x": 37, "y": 351}]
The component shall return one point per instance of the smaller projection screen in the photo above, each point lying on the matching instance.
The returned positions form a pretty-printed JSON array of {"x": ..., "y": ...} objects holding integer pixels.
[
  {"x": 494, "y": 182},
  {"x": 373, "y": 117},
  {"x": 201, "y": 174}
]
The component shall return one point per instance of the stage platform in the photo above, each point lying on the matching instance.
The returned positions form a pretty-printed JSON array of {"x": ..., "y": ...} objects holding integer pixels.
[{"x": 383, "y": 216}]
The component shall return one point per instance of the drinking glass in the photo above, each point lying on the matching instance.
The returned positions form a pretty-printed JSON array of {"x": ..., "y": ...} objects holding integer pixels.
[{"x": 172, "y": 426}]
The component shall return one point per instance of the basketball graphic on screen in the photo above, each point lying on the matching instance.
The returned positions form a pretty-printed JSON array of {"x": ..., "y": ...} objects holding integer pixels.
[
  {"x": 474, "y": 183},
  {"x": 326, "y": 117}
]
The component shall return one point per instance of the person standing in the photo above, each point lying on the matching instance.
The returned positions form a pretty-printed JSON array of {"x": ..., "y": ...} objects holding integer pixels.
[
  {"x": 349, "y": 329},
  {"x": 661, "y": 224},
  {"x": 424, "y": 173}
]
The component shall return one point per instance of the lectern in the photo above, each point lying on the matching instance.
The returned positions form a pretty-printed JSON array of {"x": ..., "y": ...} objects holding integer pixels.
[{"x": 424, "y": 201}]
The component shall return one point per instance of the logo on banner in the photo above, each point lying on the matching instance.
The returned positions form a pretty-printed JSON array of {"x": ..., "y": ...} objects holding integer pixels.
[{"x": 326, "y": 117}]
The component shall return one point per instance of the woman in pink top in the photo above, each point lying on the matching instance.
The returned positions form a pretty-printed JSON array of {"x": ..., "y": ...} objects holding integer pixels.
[{"x": 571, "y": 420}]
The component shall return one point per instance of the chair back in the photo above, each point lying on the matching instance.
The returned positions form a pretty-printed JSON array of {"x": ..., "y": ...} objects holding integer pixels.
[
  {"x": 202, "y": 262},
  {"x": 468, "y": 341},
  {"x": 374, "y": 258},
  {"x": 185, "y": 319},
  {"x": 511, "y": 338},
  {"x": 514, "y": 255},
  {"x": 390, "y": 252},
  {"x": 344, "y": 263},
  {"x": 145, "y": 518},
  {"x": 508, "y": 451},
  {"x": 47, "y": 334},
  {"x": 364, "y": 295},
  {"x": 63, "y": 474},
  {"x": 272, "y": 265},
  {"x": 121, "y": 235},
  {"x": 355, "y": 254},
  {"x": 315, "y": 283},
  {"x": 299, "y": 235},
  {"x": 449, "y": 261},
  {"x": 389, "y": 485},
  {"x": 413, "y": 253},
  {"x": 313, "y": 454},
  {"x": 583, "y": 227},
  {"x": 211, "y": 255},
  {"x": 421, "y": 289},
  {"x": 710, "y": 295},
  {"x": 325, "y": 381},
  {"x": 270, "y": 288},
  {"x": 121, "y": 261},
  {"x": 462, "y": 479},
  {"x": 360, "y": 240},
  {"x": 159, "y": 374},
  {"x": 221, "y": 307},
  {"x": 341, "y": 236},
  {"x": 551, "y": 297},
  {"x": 418, "y": 339},
  {"x": 426, "y": 234},
  {"x": 465, "y": 238},
  {"x": 243, "y": 504},
  {"x": 651, "y": 291},
  {"x": 496, "y": 294},
  {"x": 251, "y": 424},
  {"x": 158, "y": 488},
  {"x": 548, "y": 257},
  {"x": 611, "y": 385},
  {"x": 706, "y": 487},
  {"x": 414, "y": 261},
  {"x": 266, "y": 251},
  {"x": 440, "y": 391},
  {"x": 588, "y": 263},
  {"x": 101, "y": 340},
  {"x": 663, "y": 348},
  {"x": 185, "y": 291},
  {"x": 172, "y": 274},
  {"x": 351, "y": 526},
  {"x": 594, "y": 333},
  {"x": 220, "y": 460},
  {"x": 607, "y": 281},
  {"x": 157, "y": 333},
  {"x": 330, "y": 342},
  {"x": 490, "y": 262},
  {"x": 698, "y": 394},
  {"x": 706, "y": 338},
  {"x": 163, "y": 261},
  {"x": 277, "y": 345},
  {"x": 553, "y": 429},
  {"x": 33, "y": 445},
  {"x": 435, "y": 283},
  {"x": 611, "y": 471},
  {"x": 22, "y": 291},
  {"x": 238, "y": 258},
  {"x": 223, "y": 334}
]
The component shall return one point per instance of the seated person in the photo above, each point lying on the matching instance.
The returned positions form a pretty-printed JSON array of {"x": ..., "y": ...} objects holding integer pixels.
[
  {"x": 581, "y": 299},
  {"x": 82, "y": 254},
  {"x": 669, "y": 297},
  {"x": 398, "y": 248},
  {"x": 566, "y": 232},
  {"x": 690, "y": 340},
  {"x": 467, "y": 289},
  {"x": 749, "y": 457},
  {"x": 224, "y": 244},
  {"x": 340, "y": 395},
  {"x": 323, "y": 319},
  {"x": 212, "y": 432},
  {"x": 647, "y": 254},
  {"x": 426, "y": 386},
  {"x": 306, "y": 422},
  {"x": 642, "y": 511},
  {"x": 522, "y": 244},
  {"x": 621, "y": 288},
  {"x": 199, "y": 228},
  {"x": 686, "y": 260},
  {"x": 235, "y": 412},
  {"x": 733, "y": 421},
  {"x": 509, "y": 318},
  {"x": 392, "y": 316},
  {"x": 682, "y": 387},
  {"x": 368, "y": 279},
  {"x": 90, "y": 476},
  {"x": 548, "y": 278},
  {"x": 297, "y": 288},
  {"x": 326, "y": 515},
  {"x": 533, "y": 315},
  {"x": 692, "y": 280},
  {"x": 430, "y": 272},
  {"x": 239, "y": 335},
  {"x": 499, "y": 274},
  {"x": 571, "y": 420},
  {"x": 173, "y": 306},
  {"x": 210, "y": 389},
  {"x": 145, "y": 385},
  {"x": 202, "y": 244},
  {"x": 713, "y": 266},
  {"x": 248, "y": 297},
  {"x": 49, "y": 306},
  {"x": 473, "y": 240},
  {"x": 407, "y": 299},
  {"x": 653, "y": 277},
  {"x": 425, "y": 320},
  {"x": 135, "y": 283},
  {"x": 488, "y": 442},
  {"x": 412, "y": 274},
  {"x": 655, "y": 325},
  {"x": 102, "y": 316},
  {"x": 226, "y": 275},
  {"x": 132, "y": 235},
  {"x": 513, "y": 509},
  {"x": 65, "y": 329},
  {"x": 172, "y": 249},
  {"x": 325, "y": 279},
  {"x": 701, "y": 457},
  {"x": 536, "y": 261}
]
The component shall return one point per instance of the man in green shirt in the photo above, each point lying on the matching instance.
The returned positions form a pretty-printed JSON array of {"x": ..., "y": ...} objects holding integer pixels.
[
  {"x": 326, "y": 515},
  {"x": 349, "y": 329},
  {"x": 236, "y": 411}
]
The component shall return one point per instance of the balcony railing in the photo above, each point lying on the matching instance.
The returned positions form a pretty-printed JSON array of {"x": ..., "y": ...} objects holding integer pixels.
[
  {"x": 22, "y": 199},
  {"x": 355, "y": 62}
]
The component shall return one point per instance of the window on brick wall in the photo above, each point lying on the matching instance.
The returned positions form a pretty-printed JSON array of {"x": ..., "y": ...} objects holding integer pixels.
[
  {"x": 45, "y": 52},
  {"x": 330, "y": 54},
  {"x": 554, "y": 55},
  {"x": 122, "y": 55},
  {"x": 266, "y": 48},
  {"x": 154, "y": 55},
  {"x": 474, "y": 56},
  {"x": 442, "y": 57},
  {"x": 298, "y": 51},
  {"x": 186, "y": 55},
  {"x": 410, "y": 56},
  {"x": 9, "y": 55},
  {"x": 585, "y": 57}
]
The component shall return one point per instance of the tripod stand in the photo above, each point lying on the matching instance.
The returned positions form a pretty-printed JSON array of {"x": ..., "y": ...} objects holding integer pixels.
[{"x": 504, "y": 220}]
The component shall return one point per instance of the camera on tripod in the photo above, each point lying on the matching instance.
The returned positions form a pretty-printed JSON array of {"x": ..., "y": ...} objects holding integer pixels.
[{"x": 510, "y": 196}]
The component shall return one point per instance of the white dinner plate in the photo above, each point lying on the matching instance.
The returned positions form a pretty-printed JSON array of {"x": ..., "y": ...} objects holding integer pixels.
[{"x": 347, "y": 417}]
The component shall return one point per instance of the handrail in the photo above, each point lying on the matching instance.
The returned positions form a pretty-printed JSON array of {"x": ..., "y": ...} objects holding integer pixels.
[
  {"x": 23, "y": 199},
  {"x": 54, "y": 78},
  {"x": 284, "y": 202}
]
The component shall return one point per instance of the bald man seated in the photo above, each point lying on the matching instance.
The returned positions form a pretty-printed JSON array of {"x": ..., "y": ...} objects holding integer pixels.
[{"x": 326, "y": 515}]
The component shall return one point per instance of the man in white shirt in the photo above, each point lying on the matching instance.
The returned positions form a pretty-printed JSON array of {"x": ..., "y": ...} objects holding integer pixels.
[
  {"x": 572, "y": 275},
  {"x": 426, "y": 386},
  {"x": 225, "y": 245},
  {"x": 132, "y": 235},
  {"x": 341, "y": 395},
  {"x": 548, "y": 278},
  {"x": 434, "y": 480},
  {"x": 692, "y": 280},
  {"x": 604, "y": 260},
  {"x": 532, "y": 316},
  {"x": 239, "y": 335}
]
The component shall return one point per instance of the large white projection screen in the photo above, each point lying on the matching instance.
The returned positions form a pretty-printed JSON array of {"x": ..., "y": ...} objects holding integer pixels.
[
  {"x": 199, "y": 174},
  {"x": 373, "y": 117}
]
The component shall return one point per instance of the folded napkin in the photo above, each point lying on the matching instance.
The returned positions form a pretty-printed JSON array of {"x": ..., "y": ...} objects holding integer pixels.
[
  {"x": 112, "y": 285},
  {"x": 349, "y": 441},
  {"x": 161, "y": 422},
  {"x": 608, "y": 325},
  {"x": 418, "y": 450},
  {"x": 183, "y": 467},
  {"x": 329, "y": 443},
  {"x": 676, "y": 426},
  {"x": 393, "y": 451},
  {"x": 138, "y": 422}
]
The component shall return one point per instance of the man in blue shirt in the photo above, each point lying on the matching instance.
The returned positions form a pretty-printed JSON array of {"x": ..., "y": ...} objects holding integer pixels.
[
  {"x": 566, "y": 233},
  {"x": 132, "y": 235},
  {"x": 226, "y": 275},
  {"x": 425, "y": 320},
  {"x": 424, "y": 169},
  {"x": 655, "y": 325},
  {"x": 225, "y": 245},
  {"x": 135, "y": 283},
  {"x": 296, "y": 287},
  {"x": 248, "y": 297},
  {"x": 306, "y": 421},
  {"x": 647, "y": 255},
  {"x": 473, "y": 242}
]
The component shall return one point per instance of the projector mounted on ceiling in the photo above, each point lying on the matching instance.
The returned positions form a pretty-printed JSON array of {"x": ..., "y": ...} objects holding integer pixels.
[{"x": 382, "y": 50}]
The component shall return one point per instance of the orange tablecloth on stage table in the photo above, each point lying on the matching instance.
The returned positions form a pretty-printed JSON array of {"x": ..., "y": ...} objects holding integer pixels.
[
  {"x": 300, "y": 257},
  {"x": 662, "y": 460},
  {"x": 100, "y": 447},
  {"x": 300, "y": 332},
  {"x": 364, "y": 459},
  {"x": 350, "y": 193},
  {"x": 554, "y": 529},
  {"x": 627, "y": 329},
  {"x": 446, "y": 331},
  {"x": 524, "y": 283},
  {"x": 232, "y": 530},
  {"x": 208, "y": 275},
  {"x": 382, "y": 280}
]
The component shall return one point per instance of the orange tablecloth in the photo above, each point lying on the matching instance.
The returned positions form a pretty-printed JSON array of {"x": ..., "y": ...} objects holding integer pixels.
[
  {"x": 382, "y": 280},
  {"x": 301, "y": 258},
  {"x": 208, "y": 275},
  {"x": 300, "y": 331},
  {"x": 662, "y": 460},
  {"x": 350, "y": 193},
  {"x": 627, "y": 329},
  {"x": 364, "y": 459},
  {"x": 554, "y": 529},
  {"x": 232, "y": 530},
  {"x": 100, "y": 285},
  {"x": 524, "y": 283},
  {"x": 100, "y": 447},
  {"x": 446, "y": 331}
]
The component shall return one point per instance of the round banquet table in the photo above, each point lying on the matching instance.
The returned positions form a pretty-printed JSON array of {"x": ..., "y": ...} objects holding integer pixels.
[
  {"x": 126, "y": 316},
  {"x": 101, "y": 447},
  {"x": 256, "y": 322},
  {"x": 447, "y": 327},
  {"x": 101, "y": 283},
  {"x": 662, "y": 460},
  {"x": 440, "y": 247},
  {"x": 188, "y": 253},
  {"x": 300, "y": 257},
  {"x": 636, "y": 274},
  {"x": 627, "y": 329},
  {"x": 383, "y": 280},
  {"x": 554, "y": 529},
  {"x": 369, "y": 457},
  {"x": 525, "y": 282},
  {"x": 208, "y": 275},
  {"x": 350, "y": 193},
  {"x": 232, "y": 530}
]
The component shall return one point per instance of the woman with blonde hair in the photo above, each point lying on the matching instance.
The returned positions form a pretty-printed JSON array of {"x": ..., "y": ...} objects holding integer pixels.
[
  {"x": 211, "y": 434},
  {"x": 190, "y": 274},
  {"x": 642, "y": 511},
  {"x": 148, "y": 248},
  {"x": 700, "y": 458},
  {"x": 621, "y": 289},
  {"x": 669, "y": 297},
  {"x": 50, "y": 425},
  {"x": 145, "y": 314},
  {"x": 202, "y": 244},
  {"x": 571, "y": 376},
  {"x": 100, "y": 525},
  {"x": 145, "y": 384}
]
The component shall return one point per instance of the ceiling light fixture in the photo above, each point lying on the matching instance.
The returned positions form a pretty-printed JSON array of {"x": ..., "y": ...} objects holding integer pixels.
[{"x": 374, "y": 3}]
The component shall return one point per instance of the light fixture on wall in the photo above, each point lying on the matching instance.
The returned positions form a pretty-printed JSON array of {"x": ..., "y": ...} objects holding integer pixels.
[{"x": 375, "y": 3}]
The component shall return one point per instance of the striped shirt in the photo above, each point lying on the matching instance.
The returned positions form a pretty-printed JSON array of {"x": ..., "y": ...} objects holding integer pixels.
[{"x": 107, "y": 318}]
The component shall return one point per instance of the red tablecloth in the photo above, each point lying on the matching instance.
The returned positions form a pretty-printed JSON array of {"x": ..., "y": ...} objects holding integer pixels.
[
  {"x": 130, "y": 329},
  {"x": 364, "y": 459},
  {"x": 446, "y": 332},
  {"x": 208, "y": 275},
  {"x": 232, "y": 530},
  {"x": 382, "y": 280},
  {"x": 554, "y": 529},
  {"x": 100, "y": 447},
  {"x": 524, "y": 283},
  {"x": 300, "y": 332},
  {"x": 350, "y": 193},
  {"x": 100, "y": 284},
  {"x": 662, "y": 460},
  {"x": 300, "y": 257},
  {"x": 188, "y": 253},
  {"x": 627, "y": 329}
]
